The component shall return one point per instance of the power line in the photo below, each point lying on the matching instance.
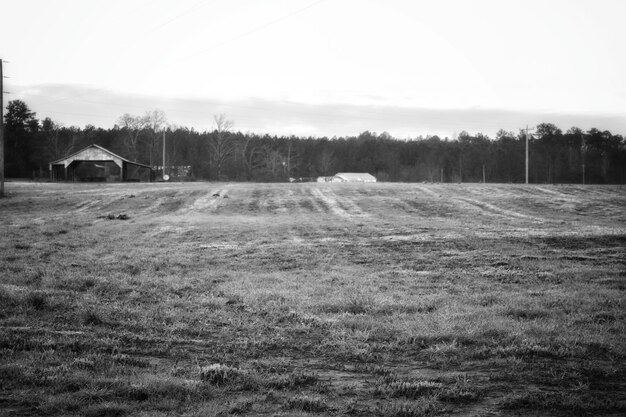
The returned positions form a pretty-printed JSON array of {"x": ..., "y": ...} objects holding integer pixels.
[
  {"x": 178, "y": 16},
  {"x": 196, "y": 5},
  {"x": 254, "y": 30},
  {"x": 155, "y": 28},
  {"x": 84, "y": 93},
  {"x": 141, "y": 6}
]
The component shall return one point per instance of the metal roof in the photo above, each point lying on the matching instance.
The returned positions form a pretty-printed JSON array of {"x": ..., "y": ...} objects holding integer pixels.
[
  {"x": 103, "y": 150},
  {"x": 356, "y": 176}
]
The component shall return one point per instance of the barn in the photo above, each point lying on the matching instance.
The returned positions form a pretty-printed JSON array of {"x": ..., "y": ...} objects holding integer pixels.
[
  {"x": 353, "y": 177},
  {"x": 94, "y": 163}
]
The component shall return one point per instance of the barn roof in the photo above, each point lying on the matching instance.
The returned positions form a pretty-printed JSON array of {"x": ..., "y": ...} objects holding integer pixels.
[
  {"x": 356, "y": 176},
  {"x": 58, "y": 161}
]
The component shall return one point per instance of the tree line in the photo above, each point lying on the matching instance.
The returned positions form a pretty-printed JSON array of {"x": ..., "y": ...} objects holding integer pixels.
[{"x": 223, "y": 154}]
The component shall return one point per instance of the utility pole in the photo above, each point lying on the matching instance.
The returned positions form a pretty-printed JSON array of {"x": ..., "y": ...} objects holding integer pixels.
[
  {"x": 527, "y": 129},
  {"x": 1, "y": 132},
  {"x": 163, "y": 153}
]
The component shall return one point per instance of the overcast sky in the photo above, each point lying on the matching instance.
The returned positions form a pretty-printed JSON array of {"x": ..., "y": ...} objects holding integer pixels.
[{"x": 330, "y": 67}]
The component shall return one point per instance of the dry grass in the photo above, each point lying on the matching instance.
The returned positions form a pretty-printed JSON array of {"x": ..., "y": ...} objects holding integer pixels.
[{"x": 323, "y": 299}]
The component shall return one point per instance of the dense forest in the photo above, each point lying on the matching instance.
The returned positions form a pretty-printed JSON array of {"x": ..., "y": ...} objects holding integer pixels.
[{"x": 573, "y": 156}]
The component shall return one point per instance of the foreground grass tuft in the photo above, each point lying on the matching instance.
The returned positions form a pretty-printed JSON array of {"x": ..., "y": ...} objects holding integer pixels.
[
  {"x": 37, "y": 300},
  {"x": 422, "y": 407},
  {"x": 306, "y": 403},
  {"x": 292, "y": 381},
  {"x": 220, "y": 375},
  {"x": 458, "y": 390},
  {"x": 107, "y": 410},
  {"x": 91, "y": 317},
  {"x": 563, "y": 404}
]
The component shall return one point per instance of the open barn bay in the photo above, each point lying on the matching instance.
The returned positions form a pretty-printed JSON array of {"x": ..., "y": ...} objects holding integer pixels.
[{"x": 312, "y": 299}]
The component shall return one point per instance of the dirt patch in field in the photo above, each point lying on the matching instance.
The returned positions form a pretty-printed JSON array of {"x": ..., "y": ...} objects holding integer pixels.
[
  {"x": 328, "y": 200},
  {"x": 483, "y": 208}
]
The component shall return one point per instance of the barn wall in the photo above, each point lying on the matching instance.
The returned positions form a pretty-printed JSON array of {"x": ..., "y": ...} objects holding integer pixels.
[
  {"x": 57, "y": 172},
  {"x": 134, "y": 172}
]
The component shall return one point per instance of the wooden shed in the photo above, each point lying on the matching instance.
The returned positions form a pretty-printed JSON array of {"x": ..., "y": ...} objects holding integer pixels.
[{"x": 94, "y": 163}]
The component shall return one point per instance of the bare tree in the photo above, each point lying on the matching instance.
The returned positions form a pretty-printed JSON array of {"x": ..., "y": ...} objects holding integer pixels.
[
  {"x": 132, "y": 125},
  {"x": 326, "y": 162},
  {"x": 58, "y": 146},
  {"x": 222, "y": 146},
  {"x": 273, "y": 161},
  {"x": 155, "y": 122},
  {"x": 249, "y": 152}
]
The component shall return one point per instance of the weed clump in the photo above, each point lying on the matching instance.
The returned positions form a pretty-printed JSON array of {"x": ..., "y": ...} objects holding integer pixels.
[
  {"x": 34, "y": 278},
  {"x": 241, "y": 407},
  {"x": 358, "y": 305},
  {"x": 12, "y": 373},
  {"x": 459, "y": 390},
  {"x": 604, "y": 318},
  {"x": 425, "y": 406},
  {"x": 395, "y": 387},
  {"x": 307, "y": 404},
  {"x": 220, "y": 375},
  {"x": 37, "y": 300},
  {"x": 111, "y": 216},
  {"x": 353, "y": 305},
  {"x": 7, "y": 298},
  {"x": 292, "y": 381},
  {"x": 526, "y": 314},
  {"x": 163, "y": 389},
  {"x": 107, "y": 410},
  {"x": 88, "y": 282},
  {"x": 132, "y": 270},
  {"x": 90, "y": 317},
  {"x": 564, "y": 403}
]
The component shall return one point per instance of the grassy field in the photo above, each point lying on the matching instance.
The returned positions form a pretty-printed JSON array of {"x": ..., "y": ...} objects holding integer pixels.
[{"x": 203, "y": 299}]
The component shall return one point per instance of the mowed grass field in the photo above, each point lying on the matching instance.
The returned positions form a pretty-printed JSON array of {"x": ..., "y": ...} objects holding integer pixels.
[{"x": 312, "y": 299}]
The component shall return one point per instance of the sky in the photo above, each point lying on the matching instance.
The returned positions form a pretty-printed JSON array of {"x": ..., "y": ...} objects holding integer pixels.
[{"x": 321, "y": 67}]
